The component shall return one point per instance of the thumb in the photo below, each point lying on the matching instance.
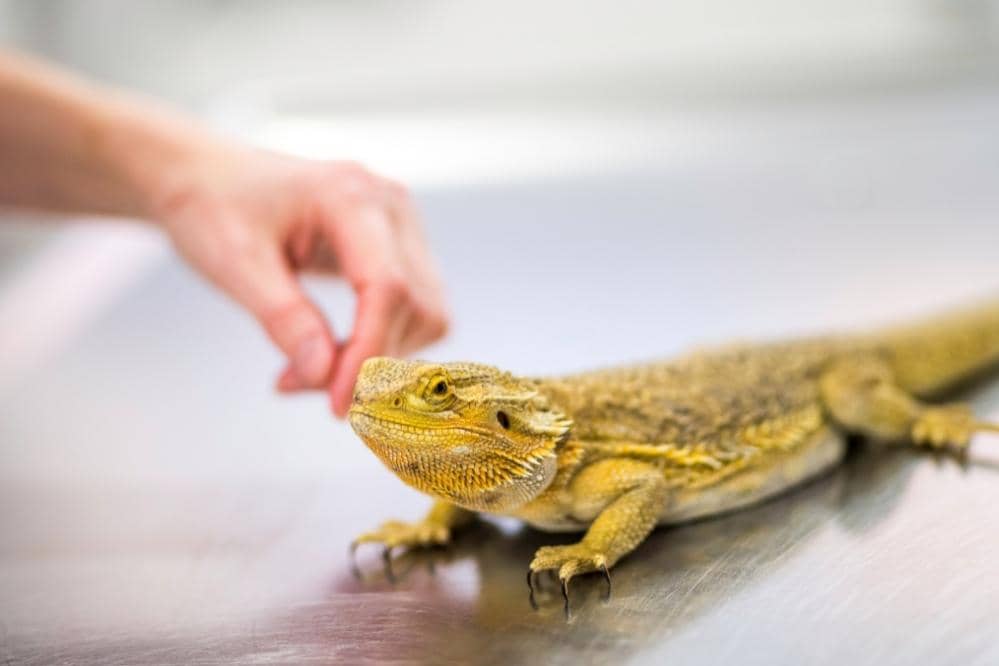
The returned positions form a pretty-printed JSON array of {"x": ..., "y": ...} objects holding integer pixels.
[{"x": 295, "y": 325}]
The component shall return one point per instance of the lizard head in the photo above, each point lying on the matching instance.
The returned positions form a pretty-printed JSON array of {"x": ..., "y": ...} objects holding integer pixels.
[{"x": 465, "y": 433}]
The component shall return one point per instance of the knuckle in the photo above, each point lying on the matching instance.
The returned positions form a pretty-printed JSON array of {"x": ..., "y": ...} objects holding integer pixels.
[
  {"x": 284, "y": 318},
  {"x": 351, "y": 183},
  {"x": 353, "y": 191},
  {"x": 396, "y": 288}
]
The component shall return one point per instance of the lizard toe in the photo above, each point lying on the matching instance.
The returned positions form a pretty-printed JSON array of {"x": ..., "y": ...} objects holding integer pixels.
[
  {"x": 569, "y": 561},
  {"x": 396, "y": 534},
  {"x": 943, "y": 427}
]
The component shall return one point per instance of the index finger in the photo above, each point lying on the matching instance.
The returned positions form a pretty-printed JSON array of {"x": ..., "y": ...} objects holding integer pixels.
[{"x": 382, "y": 316}]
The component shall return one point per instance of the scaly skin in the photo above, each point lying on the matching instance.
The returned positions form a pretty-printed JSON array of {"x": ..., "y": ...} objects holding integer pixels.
[{"x": 616, "y": 452}]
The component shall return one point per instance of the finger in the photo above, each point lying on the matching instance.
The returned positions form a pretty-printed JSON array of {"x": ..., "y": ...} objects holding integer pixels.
[
  {"x": 367, "y": 251},
  {"x": 429, "y": 320},
  {"x": 288, "y": 381},
  {"x": 296, "y": 326},
  {"x": 382, "y": 314},
  {"x": 417, "y": 259},
  {"x": 271, "y": 292}
]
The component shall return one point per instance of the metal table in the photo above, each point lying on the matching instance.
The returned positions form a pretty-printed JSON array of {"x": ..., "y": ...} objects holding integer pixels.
[{"x": 160, "y": 504}]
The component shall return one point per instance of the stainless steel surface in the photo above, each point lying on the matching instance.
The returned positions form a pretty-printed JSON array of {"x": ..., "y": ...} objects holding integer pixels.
[{"x": 160, "y": 505}]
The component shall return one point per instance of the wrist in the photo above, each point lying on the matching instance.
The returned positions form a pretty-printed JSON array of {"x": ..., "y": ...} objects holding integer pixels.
[{"x": 156, "y": 158}]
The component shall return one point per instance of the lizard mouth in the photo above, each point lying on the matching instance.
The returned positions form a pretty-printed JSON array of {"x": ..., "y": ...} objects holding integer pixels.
[
  {"x": 421, "y": 455},
  {"x": 361, "y": 418}
]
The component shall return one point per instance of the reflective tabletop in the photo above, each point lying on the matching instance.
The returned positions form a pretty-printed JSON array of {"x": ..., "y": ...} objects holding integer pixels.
[{"x": 160, "y": 504}]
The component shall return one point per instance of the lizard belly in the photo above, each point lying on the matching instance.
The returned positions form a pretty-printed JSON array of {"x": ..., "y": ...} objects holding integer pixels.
[{"x": 757, "y": 482}]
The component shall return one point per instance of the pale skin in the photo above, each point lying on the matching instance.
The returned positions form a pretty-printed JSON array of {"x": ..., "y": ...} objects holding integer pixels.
[{"x": 248, "y": 220}]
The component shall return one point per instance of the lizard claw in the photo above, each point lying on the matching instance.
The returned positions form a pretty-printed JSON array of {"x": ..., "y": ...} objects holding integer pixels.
[
  {"x": 946, "y": 426},
  {"x": 353, "y": 560},
  {"x": 387, "y": 563},
  {"x": 530, "y": 586},
  {"x": 568, "y": 561},
  {"x": 395, "y": 534}
]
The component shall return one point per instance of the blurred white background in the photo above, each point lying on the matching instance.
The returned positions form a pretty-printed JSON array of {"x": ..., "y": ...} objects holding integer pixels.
[
  {"x": 402, "y": 84},
  {"x": 378, "y": 52}
]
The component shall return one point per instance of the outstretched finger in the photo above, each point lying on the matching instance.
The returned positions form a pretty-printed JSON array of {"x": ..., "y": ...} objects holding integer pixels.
[
  {"x": 366, "y": 247},
  {"x": 429, "y": 318},
  {"x": 382, "y": 315},
  {"x": 292, "y": 321},
  {"x": 381, "y": 318}
]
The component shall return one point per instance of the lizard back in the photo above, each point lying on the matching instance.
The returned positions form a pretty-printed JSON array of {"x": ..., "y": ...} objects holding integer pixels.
[{"x": 707, "y": 398}]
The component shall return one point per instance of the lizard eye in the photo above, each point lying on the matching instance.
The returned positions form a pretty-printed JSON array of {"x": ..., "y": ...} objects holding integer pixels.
[
  {"x": 438, "y": 390},
  {"x": 503, "y": 420}
]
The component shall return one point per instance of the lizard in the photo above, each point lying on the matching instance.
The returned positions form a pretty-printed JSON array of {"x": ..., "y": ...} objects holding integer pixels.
[{"x": 615, "y": 452}]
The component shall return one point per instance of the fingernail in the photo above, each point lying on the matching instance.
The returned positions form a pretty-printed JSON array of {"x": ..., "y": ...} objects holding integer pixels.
[{"x": 312, "y": 361}]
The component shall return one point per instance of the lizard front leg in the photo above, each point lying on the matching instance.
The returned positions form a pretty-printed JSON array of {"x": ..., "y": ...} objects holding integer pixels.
[
  {"x": 862, "y": 396},
  {"x": 434, "y": 530},
  {"x": 626, "y": 497}
]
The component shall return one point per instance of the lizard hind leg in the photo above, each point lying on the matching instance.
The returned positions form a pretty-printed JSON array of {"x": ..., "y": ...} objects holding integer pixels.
[{"x": 862, "y": 396}]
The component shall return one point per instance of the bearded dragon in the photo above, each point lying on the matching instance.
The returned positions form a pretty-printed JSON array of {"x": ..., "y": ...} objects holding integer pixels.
[{"x": 617, "y": 452}]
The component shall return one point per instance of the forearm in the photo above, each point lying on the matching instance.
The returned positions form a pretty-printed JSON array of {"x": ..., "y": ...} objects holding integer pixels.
[{"x": 68, "y": 145}]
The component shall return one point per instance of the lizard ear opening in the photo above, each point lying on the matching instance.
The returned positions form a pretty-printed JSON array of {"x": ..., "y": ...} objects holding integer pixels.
[
  {"x": 546, "y": 428},
  {"x": 551, "y": 424},
  {"x": 525, "y": 450}
]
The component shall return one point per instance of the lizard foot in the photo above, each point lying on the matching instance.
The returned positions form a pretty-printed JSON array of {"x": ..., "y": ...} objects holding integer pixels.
[
  {"x": 397, "y": 534},
  {"x": 947, "y": 426},
  {"x": 568, "y": 561}
]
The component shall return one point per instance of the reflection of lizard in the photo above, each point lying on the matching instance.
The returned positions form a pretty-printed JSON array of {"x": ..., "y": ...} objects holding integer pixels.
[{"x": 616, "y": 452}]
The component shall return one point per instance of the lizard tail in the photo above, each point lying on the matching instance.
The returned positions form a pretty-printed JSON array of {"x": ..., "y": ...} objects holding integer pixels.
[{"x": 939, "y": 354}]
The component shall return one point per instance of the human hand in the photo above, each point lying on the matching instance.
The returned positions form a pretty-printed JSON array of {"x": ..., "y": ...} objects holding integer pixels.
[{"x": 251, "y": 221}]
